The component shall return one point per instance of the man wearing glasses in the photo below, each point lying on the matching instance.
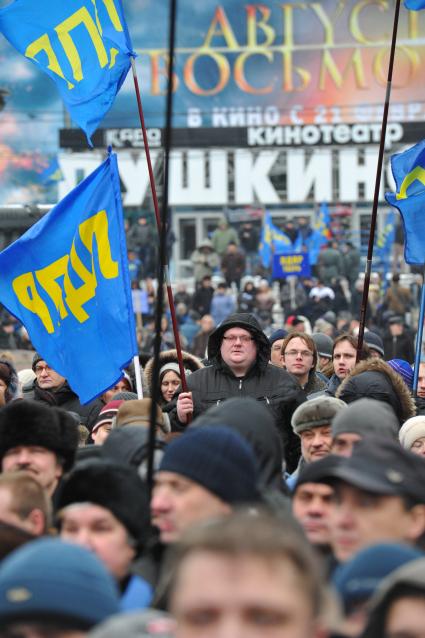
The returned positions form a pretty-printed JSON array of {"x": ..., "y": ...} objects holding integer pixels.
[
  {"x": 53, "y": 389},
  {"x": 299, "y": 357},
  {"x": 239, "y": 353}
]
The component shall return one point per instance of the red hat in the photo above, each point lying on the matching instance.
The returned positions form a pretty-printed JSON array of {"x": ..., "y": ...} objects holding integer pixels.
[{"x": 107, "y": 413}]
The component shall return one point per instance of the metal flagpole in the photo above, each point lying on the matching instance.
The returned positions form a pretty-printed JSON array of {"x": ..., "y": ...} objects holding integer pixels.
[
  {"x": 368, "y": 268},
  {"x": 163, "y": 268},
  {"x": 159, "y": 225},
  {"x": 419, "y": 335}
]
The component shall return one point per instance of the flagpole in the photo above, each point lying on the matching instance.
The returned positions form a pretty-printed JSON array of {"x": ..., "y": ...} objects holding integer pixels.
[
  {"x": 419, "y": 335},
  {"x": 163, "y": 268},
  {"x": 138, "y": 375},
  {"x": 159, "y": 225},
  {"x": 368, "y": 268}
]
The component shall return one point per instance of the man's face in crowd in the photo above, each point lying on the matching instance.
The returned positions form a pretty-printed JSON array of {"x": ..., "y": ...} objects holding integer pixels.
[
  {"x": 312, "y": 504},
  {"x": 248, "y": 596},
  {"x": 421, "y": 381},
  {"x": 344, "y": 358},
  {"x": 41, "y": 463},
  {"x": 101, "y": 433},
  {"x": 343, "y": 444},
  {"x": 178, "y": 503},
  {"x": 120, "y": 386},
  {"x": 298, "y": 358},
  {"x": 396, "y": 329},
  {"x": 276, "y": 353},
  {"x": 316, "y": 443},
  {"x": 33, "y": 523},
  {"x": 360, "y": 518},
  {"x": 405, "y": 618},
  {"x": 97, "y": 529},
  {"x": 47, "y": 378},
  {"x": 207, "y": 323},
  {"x": 238, "y": 349}
]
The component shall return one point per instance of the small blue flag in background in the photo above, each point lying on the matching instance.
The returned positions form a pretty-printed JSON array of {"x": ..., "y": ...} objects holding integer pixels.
[
  {"x": 66, "y": 279},
  {"x": 408, "y": 170},
  {"x": 273, "y": 240},
  {"x": 414, "y": 5},
  {"x": 52, "y": 173},
  {"x": 84, "y": 46}
]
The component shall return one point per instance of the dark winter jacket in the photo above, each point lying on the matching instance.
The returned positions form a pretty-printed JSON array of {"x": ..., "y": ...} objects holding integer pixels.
[
  {"x": 264, "y": 382},
  {"x": 66, "y": 399},
  {"x": 400, "y": 347},
  {"x": 375, "y": 379}
]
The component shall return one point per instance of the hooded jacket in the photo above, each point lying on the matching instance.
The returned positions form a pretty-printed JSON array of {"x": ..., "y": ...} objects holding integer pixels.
[
  {"x": 190, "y": 363},
  {"x": 264, "y": 382},
  {"x": 375, "y": 379}
]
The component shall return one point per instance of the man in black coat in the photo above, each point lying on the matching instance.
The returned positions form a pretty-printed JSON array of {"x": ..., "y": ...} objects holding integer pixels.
[
  {"x": 53, "y": 389},
  {"x": 239, "y": 352}
]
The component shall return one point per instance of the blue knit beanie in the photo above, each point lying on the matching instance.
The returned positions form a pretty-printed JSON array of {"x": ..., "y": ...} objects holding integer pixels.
[
  {"x": 404, "y": 369},
  {"x": 217, "y": 458},
  {"x": 358, "y": 579},
  {"x": 49, "y": 579},
  {"x": 280, "y": 333}
]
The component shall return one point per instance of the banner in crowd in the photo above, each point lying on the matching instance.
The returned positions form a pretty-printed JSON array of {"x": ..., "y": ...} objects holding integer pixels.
[
  {"x": 83, "y": 46},
  {"x": 408, "y": 170},
  {"x": 67, "y": 280},
  {"x": 291, "y": 264}
]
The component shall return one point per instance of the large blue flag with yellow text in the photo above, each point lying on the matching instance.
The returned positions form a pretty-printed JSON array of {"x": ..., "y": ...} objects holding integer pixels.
[
  {"x": 67, "y": 280},
  {"x": 83, "y": 45},
  {"x": 273, "y": 240},
  {"x": 408, "y": 170}
]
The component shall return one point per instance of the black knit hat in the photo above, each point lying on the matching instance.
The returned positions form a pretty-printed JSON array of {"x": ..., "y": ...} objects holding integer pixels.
[
  {"x": 115, "y": 487},
  {"x": 217, "y": 458},
  {"x": 27, "y": 422},
  {"x": 374, "y": 341}
]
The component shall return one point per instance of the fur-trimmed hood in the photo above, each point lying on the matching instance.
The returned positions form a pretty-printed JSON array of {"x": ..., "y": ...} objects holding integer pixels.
[
  {"x": 375, "y": 379},
  {"x": 190, "y": 362}
]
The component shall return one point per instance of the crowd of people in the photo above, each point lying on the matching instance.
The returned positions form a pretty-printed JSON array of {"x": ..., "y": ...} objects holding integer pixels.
[{"x": 288, "y": 492}]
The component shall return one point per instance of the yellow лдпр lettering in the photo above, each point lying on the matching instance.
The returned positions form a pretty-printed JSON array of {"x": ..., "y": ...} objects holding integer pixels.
[
  {"x": 63, "y": 30},
  {"x": 65, "y": 297}
]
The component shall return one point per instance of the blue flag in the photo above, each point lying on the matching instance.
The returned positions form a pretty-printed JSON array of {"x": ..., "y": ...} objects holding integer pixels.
[
  {"x": 83, "y": 45},
  {"x": 322, "y": 223},
  {"x": 52, "y": 174},
  {"x": 273, "y": 240},
  {"x": 385, "y": 242},
  {"x": 66, "y": 279},
  {"x": 414, "y": 5},
  {"x": 408, "y": 170}
]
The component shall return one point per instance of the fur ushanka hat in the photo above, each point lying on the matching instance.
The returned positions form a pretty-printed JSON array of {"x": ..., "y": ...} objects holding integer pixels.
[
  {"x": 25, "y": 422},
  {"x": 115, "y": 487}
]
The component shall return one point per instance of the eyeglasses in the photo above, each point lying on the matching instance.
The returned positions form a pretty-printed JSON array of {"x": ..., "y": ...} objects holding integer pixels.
[
  {"x": 242, "y": 338},
  {"x": 39, "y": 369},
  {"x": 294, "y": 353}
]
